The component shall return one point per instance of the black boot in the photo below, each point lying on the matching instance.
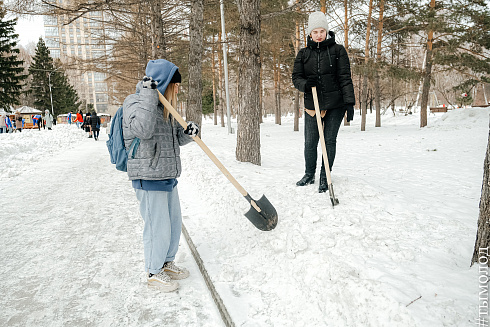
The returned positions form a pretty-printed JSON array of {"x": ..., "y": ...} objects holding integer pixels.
[
  {"x": 307, "y": 179},
  {"x": 323, "y": 187}
]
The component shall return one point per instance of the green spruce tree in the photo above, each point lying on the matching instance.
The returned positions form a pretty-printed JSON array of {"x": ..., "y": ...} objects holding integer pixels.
[
  {"x": 43, "y": 72},
  {"x": 11, "y": 70}
]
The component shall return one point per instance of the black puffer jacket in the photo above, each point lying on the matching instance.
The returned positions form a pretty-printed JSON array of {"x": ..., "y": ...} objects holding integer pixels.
[
  {"x": 328, "y": 61},
  {"x": 94, "y": 121}
]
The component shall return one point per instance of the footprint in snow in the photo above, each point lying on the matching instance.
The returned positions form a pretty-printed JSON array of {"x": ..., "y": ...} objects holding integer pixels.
[
  {"x": 310, "y": 215},
  {"x": 295, "y": 243}
]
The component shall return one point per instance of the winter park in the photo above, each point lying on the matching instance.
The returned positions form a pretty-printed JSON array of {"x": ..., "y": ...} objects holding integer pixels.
[{"x": 244, "y": 163}]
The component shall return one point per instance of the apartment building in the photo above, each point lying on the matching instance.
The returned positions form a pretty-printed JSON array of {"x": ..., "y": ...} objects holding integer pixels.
[{"x": 74, "y": 43}]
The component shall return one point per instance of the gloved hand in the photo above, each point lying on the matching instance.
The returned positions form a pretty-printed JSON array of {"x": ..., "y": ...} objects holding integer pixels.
[
  {"x": 149, "y": 83},
  {"x": 350, "y": 112},
  {"x": 311, "y": 82},
  {"x": 192, "y": 129}
]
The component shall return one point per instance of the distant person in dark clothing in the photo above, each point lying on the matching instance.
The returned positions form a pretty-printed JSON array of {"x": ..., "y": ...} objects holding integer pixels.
[
  {"x": 95, "y": 124},
  {"x": 37, "y": 119},
  {"x": 87, "y": 125}
]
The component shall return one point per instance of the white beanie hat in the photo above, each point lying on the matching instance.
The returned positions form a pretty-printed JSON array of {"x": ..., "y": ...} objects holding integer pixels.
[{"x": 317, "y": 20}]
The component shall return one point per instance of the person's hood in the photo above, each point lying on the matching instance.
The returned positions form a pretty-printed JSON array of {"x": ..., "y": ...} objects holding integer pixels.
[{"x": 162, "y": 71}]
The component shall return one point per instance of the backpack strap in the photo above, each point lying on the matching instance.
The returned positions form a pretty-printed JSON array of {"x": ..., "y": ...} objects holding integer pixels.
[{"x": 133, "y": 147}]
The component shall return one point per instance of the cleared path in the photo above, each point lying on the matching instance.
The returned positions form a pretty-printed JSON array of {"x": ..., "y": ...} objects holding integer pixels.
[{"x": 72, "y": 254}]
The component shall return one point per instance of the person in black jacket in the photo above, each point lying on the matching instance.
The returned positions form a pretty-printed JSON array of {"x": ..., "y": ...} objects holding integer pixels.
[
  {"x": 95, "y": 125},
  {"x": 87, "y": 125},
  {"x": 325, "y": 65}
]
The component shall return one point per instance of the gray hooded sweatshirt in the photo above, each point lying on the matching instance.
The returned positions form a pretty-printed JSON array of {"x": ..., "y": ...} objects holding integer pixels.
[{"x": 158, "y": 154}]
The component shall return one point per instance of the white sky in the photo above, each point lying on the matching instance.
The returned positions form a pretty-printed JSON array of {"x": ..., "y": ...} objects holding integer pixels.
[{"x": 29, "y": 29}]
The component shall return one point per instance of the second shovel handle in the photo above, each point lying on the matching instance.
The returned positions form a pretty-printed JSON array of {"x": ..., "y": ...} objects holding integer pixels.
[{"x": 322, "y": 137}]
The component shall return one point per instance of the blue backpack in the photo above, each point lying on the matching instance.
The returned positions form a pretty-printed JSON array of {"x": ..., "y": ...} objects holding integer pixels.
[{"x": 115, "y": 144}]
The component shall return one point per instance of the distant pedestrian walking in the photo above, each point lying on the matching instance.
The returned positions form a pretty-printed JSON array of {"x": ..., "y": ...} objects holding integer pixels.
[
  {"x": 9, "y": 123},
  {"x": 3, "y": 123},
  {"x": 79, "y": 119},
  {"x": 86, "y": 125},
  {"x": 37, "y": 119},
  {"x": 48, "y": 118},
  {"x": 18, "y": 122},
  {"x": 69, "y": 118},
  {"x": 95, "y": 124}
]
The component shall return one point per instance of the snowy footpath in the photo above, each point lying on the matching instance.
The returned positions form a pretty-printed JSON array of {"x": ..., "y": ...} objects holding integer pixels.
[{"x": 395, "y": 252}]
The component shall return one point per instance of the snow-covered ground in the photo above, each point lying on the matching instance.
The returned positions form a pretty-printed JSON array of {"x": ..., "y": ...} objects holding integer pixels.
[{"x": 394, "y": 252}]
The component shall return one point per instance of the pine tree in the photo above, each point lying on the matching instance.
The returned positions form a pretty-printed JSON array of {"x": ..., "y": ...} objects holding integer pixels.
[
  {"x": 42, "y": 71},
  {"x": 62, "y": 96},
  {"x": 11, "y": 70}
]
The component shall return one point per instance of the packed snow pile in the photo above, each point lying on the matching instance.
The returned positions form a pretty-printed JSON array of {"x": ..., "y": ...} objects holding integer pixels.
[
  {"x": 468, "y": 117},
  {"x": 22, "y": 149}
]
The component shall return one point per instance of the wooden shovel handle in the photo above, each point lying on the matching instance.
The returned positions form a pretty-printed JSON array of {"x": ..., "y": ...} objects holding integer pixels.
[
  {"x": 322, "y": 137},
  {"x": 203, "y": 146}
]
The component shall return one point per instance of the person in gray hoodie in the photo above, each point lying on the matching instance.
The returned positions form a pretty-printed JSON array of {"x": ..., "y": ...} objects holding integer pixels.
[{"x": 155, "y": 167}]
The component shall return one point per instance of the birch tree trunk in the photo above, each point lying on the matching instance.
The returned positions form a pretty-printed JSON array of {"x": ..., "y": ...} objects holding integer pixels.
[
  {"x": 248, "y": 126},
  {"x": 196, "y": 26},
  {"x": 428, "y": 71},
  {"x": 366, "y": 62},
  {"x": 480, "y": 252},
  {"x": 377, "y": 89}
]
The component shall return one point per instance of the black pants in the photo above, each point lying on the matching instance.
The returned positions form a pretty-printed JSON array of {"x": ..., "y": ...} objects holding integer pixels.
[
  {"x": 331, "y": 124},
  {"x": 96, "y": 134}
]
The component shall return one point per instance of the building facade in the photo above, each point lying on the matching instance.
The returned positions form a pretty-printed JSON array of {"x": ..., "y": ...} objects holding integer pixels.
[{"x": 79, "y": 44}]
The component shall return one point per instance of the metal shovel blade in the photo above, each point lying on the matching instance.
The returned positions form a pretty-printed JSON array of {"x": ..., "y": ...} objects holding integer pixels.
[
  {"x": 265, "y": 217},
  {"x": 334, "y": 200}
]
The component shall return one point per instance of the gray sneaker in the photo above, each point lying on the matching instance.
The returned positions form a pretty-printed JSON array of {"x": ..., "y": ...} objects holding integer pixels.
[
  {"x": 174, "y": 271},
  {"x": 163, "y": 281}
]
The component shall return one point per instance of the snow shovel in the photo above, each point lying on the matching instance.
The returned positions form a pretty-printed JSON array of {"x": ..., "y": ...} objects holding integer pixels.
[
  {"x": 334, "y": 200},
  {"x": 262, "y": 213}
]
